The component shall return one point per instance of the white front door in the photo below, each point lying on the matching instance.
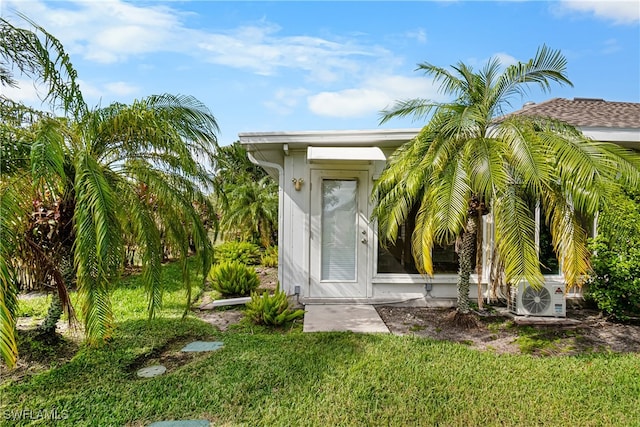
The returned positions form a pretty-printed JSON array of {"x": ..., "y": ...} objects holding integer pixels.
[{"x": 340, "y": 235}]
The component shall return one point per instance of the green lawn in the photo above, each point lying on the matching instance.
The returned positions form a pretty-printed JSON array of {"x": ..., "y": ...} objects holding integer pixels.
[{"x": 289, "y": 378}]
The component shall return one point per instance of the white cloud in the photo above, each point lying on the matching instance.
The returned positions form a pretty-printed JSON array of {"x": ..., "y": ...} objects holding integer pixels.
[
  {"x": 620, "y": 12},
  {"x": 261, "y": 49},
  {"x": 610, "y": 46},
  {"x": 106, "y": 31},
  {"x": 286, "y": 100},
  {"x": 121, "y": 88},
  {"x": 374, "y": 95},
  {"x": 90, "y": 91},
  {"x": 113, "y": 30},
  {"x": 26, "y": 92},
  {"x": 420, "y": 35},
  {"x": 505, "y": 59}
]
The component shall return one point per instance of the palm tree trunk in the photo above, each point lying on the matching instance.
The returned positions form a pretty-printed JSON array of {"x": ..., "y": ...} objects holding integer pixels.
[
  {"x": 479, "y": 258},
  {"x": 465, "y": 257},
  {"x": 54, "y": 313}
]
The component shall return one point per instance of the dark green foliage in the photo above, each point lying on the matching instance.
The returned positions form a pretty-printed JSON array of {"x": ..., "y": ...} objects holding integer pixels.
[
  {"x": 614, "y": 285},
  {"x": 243, "y": 252},
  {"x": 269, "y": 257},
  {"x": 247, "y": 197},
  {"x": 233, "y": 279},
  {"x": 232, "y": 165},
  {"x": 271, "y": 310}
]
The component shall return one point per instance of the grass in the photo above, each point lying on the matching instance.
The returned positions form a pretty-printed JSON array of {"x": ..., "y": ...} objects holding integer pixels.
[{"x": 285, "y": 377}]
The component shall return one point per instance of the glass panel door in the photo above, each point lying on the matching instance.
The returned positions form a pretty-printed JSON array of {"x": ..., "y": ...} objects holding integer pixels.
[
  {"x": 339, "y": 230},
  {"x": 339, "y": 234}
]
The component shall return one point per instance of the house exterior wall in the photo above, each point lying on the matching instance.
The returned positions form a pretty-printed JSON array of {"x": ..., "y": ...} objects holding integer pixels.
[{"x": 284, "y": 155}]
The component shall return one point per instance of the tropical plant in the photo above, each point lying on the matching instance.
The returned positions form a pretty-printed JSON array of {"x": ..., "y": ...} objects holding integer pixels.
[
  {"x": 247, "y": 197},
  {"x": 233, "y": 165},
  {"x": 233, "y": 279},
  {"x": 470, "y": 159},
  {"x": 614, "y": 282},
  {"x": 271, "y": 310},
  {"x": 89, "y": 181},
  {"x": 269, "y": 257},
  {"x": 252, "y": 211},
  {"x": 243, "y": 252}
]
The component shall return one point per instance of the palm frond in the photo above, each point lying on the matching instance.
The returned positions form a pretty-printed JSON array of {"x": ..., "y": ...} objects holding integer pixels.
[
  {"x": 419, "y": 108},
  {"x": 422, "y": 240},
  {"x": 515, "y": 239},
  {"x": 10, "y": 213},
  {"x": 98, "y": 246},
  {"x": 449, "y": 84},
  {"x": 38, "y": 54},
  {"x": 568, "y": 235},
  {"x": 450, "y": 196},
  {"x": 488, "y": 176},
  {"x": 47, "y": 154},
  {"x": 546, "y": 66},
  {"x": 8, "y": 314}
]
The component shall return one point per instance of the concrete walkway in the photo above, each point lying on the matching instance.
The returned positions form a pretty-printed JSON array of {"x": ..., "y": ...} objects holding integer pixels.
[{"x": 343, "y": 317}]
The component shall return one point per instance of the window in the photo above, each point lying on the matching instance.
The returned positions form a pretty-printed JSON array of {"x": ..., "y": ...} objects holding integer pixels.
[
  {"x": 397, "y": 258},
  {"x": 339, "y": 227},
  {"x": 549, "y": 263}
]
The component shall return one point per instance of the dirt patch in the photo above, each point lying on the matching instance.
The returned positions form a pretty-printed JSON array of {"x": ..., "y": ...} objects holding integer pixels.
[
  {"x": 268, "y": 278},
  {"x": 499, "y": 333},
  {"x": 38, "y": 353},
  {"x": 221, "y": 318},
  {"x": 169, "y": 355}
]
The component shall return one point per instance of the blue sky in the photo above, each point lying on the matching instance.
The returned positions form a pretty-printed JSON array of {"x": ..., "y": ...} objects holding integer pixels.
[{"x": 271, "y": 66}]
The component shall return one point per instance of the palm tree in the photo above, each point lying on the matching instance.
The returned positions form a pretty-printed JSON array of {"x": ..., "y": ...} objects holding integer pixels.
[
  {"x": 98, "y": 177},
  {"x": 252, "y": 210},
  {"x": 248, "y": 197},
  {"x": 471, "y": 159}
]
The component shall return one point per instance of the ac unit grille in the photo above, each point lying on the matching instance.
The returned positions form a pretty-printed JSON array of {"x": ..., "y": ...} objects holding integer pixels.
[
  {"x": 548, "y": 300},
  {"x": 536, "y": 301}
]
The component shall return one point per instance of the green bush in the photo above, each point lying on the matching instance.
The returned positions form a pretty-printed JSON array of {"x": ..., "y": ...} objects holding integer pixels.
[
  {"x": 271, "y": 310},
  {"x": 233, "y": 279},
  {"x": 269, "y": 257},
  {"x": 242, "y": 252},
  {"x": 614, "y": 284}
]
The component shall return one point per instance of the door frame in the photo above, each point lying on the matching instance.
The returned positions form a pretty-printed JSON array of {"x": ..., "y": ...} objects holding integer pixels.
[{"x": 362, "y": 286}]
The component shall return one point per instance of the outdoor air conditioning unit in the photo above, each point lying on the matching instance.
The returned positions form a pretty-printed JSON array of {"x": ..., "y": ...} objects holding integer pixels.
[{"x": 548, "y": 300}]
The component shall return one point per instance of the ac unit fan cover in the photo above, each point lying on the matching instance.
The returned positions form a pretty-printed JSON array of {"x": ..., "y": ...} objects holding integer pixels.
[{"x": 536, "y": 301}]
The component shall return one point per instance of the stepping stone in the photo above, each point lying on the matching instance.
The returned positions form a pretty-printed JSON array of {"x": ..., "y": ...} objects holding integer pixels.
[
  {"x": 152, "y": 371},
  {"x": 203, "y": 346},
  {"x": 182, "y": 423}
]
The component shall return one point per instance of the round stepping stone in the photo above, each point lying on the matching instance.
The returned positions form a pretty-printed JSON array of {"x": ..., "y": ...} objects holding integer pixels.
[
  {"x": 152, "y": 371},
  {"x": 203, "y": 346}
]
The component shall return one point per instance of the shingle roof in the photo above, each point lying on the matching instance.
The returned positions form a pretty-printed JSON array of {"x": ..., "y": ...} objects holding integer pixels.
[{"x": 587, "y": 112}]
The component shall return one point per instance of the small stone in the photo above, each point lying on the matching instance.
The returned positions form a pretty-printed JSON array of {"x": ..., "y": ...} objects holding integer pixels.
[
  {"x": 203, "y": 346},
  {"x": 151, "y": 371}
]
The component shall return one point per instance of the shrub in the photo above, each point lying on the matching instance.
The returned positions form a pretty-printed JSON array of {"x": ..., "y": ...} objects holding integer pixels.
[
  {"x": 242, "y": 252},
  {"x": 269, "y": 257},
  {"x": 233, "y": 279},
  {"x": 614, "y": 284},
  {"x": 271, "y": 310}
]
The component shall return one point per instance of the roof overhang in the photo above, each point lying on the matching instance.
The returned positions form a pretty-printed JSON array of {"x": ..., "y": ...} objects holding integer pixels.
[
  {"x": 619, "y": 135},
  {"x": 345, "y": 153},
  {"x": 341, "y": 138}
]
